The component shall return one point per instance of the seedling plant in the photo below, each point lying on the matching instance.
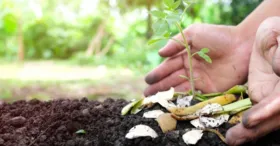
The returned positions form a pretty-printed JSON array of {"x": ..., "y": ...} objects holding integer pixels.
[{"x": 171, "y": 17}]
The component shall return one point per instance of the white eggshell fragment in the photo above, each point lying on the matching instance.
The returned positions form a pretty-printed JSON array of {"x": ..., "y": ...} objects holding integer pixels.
[
  {"x": 150, "y": 99},
  {"x": 166, "y": 95},
  {"x": 166, "y": 104},
  {"x": 184, "y": 101},
  {"x": 210, "y": 109},
  {"x": 153, "y": 114},
  {"x": 161, "y": 98},
  {"x": 141, "y": 131},
  {"x": 212, "y": 122},
  {"x": 192, "y": 136},
  {"x": 196, "y": 123}
]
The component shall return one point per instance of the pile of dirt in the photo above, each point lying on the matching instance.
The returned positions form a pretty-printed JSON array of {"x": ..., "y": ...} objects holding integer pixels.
[{"x": 56, "y": 122}]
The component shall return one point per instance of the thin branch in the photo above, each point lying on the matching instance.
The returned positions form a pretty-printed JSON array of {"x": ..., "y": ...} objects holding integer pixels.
[
  {"x": 194, "y": 54},
  {"x": 218, "y": 133},
  {"x": 189, "y": 59},
  {"x": 178, "y": 41}
]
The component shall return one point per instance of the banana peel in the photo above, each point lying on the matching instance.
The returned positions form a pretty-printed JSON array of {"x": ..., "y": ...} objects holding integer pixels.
[
  {"x": 236, "y": 118},
  {"x": 222, "y": 100}
]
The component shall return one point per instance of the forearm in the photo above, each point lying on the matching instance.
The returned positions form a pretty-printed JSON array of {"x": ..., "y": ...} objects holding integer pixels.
[{"x": 248, "y": 27}]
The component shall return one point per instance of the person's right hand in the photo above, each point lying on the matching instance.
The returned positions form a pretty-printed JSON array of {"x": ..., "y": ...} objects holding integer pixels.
[{"x": 230, "y": 59}]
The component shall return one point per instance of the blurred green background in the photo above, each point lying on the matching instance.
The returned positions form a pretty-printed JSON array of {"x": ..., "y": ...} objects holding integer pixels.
[{"x": 88, "y": 48}]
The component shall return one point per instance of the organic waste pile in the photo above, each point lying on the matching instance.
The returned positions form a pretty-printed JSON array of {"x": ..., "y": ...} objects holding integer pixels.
[
  {"x": 93, "y": 123},
  {"x": 213, "y": 113}
]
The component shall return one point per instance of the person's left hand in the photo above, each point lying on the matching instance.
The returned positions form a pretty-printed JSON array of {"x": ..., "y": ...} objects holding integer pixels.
[{"x": 264, "y": 86}]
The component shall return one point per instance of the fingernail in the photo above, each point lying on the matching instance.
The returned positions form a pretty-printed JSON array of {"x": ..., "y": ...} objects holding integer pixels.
[
  {"x": 161, "y": 51},
  {"x": 146, "y": 92},
  {"x": 249, "y": 120},
  {"x": 150, "y": 78},
  {"x": 245, "y": 120}
]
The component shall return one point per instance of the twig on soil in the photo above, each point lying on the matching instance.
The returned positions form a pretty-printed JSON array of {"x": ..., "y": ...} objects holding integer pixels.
[
  {"x": 184, "y": 118},
  {"x": 216, "y": 132},
  {"x": 42, "y": 134}
]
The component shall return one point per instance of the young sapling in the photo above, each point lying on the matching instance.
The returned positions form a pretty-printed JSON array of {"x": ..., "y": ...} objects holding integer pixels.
[{"x": 171, "y": 16}]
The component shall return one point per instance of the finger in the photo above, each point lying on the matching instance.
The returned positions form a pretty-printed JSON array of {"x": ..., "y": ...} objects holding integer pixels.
[
  {"x": 183, "y": 87},
  {"x": 164, "y": 69},
  {"x": 239, "y": 134},
  {"x": 170, "y": 81},
  {"x": 265, "y": 109},
  {"x": 276, "y": 59},
  {"x": 173, "y": 47}
]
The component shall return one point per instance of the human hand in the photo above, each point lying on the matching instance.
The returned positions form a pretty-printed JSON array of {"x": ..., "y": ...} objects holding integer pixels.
[
  {"x": 264, "y": 86},
  {"x": 230, "y": 60}
]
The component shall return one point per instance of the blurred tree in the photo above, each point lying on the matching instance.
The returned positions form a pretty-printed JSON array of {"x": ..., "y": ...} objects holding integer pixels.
[
  {"x": 132, "y": 4},
  {"x": 20, "y": 39},
  {"x": 241, "y": 8},
  {"x": 229, "y": 12},
  {"x": 13, "y": 18}
]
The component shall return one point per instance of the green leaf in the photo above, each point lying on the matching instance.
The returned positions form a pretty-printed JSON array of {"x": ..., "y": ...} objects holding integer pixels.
[
  {"x": 160, "y": 27},
  {"x": 168, "y": 3},
  {"x": 137, "y": 107},
  {"x": 152, "y": 41},
  {"x": 129, "y": 106},
  {"x": 176, "y": 4},
  {"x": 238, "y": 89},
  {"x": 166, "y": 35},
  {"x": 212, "y": 94},
  {"x": 204, "y": 56},
  {"x": 205, "y": 50},
  {"x": 173, "y": 18},
  {"x": 188, "y": 2},
  {"x": 158, "y": 14},
  {"x": 81, "y": 131}
]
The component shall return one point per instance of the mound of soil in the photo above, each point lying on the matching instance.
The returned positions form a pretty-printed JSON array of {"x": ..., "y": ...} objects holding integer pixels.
[{"x": 56, "y": 122}]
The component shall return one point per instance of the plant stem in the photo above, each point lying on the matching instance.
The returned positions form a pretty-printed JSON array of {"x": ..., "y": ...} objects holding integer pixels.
[
  {"x": 237, "y": 106},
  {"x": 178, "y": 41},
  {"x": 212, "y": 94},
  {"x": 189, "y": 59}
]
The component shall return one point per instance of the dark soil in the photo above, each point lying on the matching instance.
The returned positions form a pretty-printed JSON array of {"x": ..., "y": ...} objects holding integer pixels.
[{"x": 55, "y": 123}]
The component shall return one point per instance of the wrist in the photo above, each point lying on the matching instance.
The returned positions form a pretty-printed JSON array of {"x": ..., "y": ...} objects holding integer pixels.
[{"x": 243, "y": 38}]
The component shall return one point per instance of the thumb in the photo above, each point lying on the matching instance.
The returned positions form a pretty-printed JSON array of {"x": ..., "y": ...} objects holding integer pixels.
[{"x": 276, "y": 58}]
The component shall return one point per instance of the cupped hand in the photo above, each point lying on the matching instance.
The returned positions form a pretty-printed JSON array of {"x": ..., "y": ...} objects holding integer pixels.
[
  {"x": 228, "y": 51},
  {"x": 264, "y": 86}
]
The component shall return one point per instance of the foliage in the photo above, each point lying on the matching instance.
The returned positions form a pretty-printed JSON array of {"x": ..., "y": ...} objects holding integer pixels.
[{"x": 63, "y": 29}]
